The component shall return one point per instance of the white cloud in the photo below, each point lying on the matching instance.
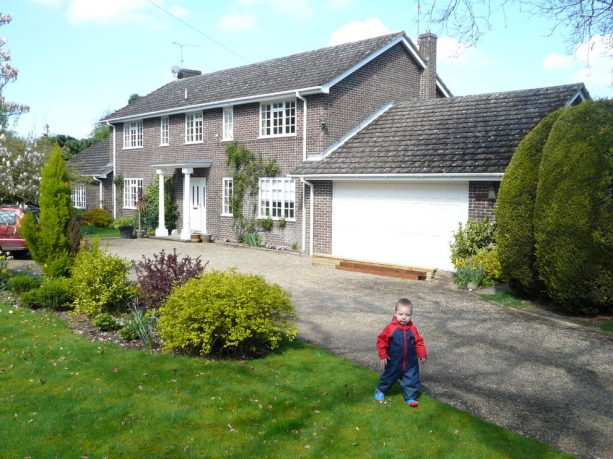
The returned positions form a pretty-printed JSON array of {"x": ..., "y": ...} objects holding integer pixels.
[
  {"x": 358, "y": 30},
  {"x": 296, "y": 9},
  {"x": 453, "y": 52},
  {"x": 179, "y": 11},
  {"x": 591, "y": 63},
  {"x": 234, "y": 22}
]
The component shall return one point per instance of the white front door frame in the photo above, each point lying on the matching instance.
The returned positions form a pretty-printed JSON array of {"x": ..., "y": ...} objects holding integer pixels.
[
  {"x": 186, "y": 232},
  {"x": 197, "y": 200}
]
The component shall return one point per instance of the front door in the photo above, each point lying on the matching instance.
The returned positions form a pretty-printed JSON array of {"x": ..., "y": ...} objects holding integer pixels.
[{"x": 198, "y": 204}]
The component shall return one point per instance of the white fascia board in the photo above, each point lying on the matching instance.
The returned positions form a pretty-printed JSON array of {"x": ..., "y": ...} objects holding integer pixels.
[
  {"x": 442, "y": 177},
  {"x": 352, "y": 133},
  {"x": 581, "y": 93},
  {"x": 220, "y": 104},
  {"x": 441, "y": 87},
  {"x": 400, "y": 39}
]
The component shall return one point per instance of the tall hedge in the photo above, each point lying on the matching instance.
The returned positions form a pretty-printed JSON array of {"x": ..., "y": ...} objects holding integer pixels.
[
  {"x": 51, "y": 241},
  {"x": 515, "y": 210},
  {"x": 574, "y": 208}
]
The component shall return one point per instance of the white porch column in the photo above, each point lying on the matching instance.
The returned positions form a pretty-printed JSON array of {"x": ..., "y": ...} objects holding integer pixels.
[
  {"x": 186, "y": 233},
  {"x": 161, "y": 230}
]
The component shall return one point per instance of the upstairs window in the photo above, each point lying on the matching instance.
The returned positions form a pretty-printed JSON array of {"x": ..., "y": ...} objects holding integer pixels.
[
  {"x": 278, "y": 119},
  {"x": 132, "y": 191},
  {"x": 228, "y": 123},
  {"x": 164, "y": 131},
  {"x": 193, "y": 127},
  {"x": 77, "y": 196},
  {"x": 133, "y": 134},
  {"x": 277, "y": 198},
  {"x": 226, "y": 197}
]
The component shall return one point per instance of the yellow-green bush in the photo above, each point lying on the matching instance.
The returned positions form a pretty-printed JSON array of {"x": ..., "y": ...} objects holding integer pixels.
[
  {"x": 97, "y": 217},
  {"x": 488, "y": 260},
  {"x": 223, "y": 311},
  {"x": 100, "y": 282}
]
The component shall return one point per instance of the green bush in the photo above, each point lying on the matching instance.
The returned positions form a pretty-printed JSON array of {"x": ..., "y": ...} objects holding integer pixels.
[
  {"x": 124, "y": 221},
  {"x": 100, "y": 218},
  {"x": 515, "y": 210},
  {"x": 51, "y": 241},
  {"x": 100, "y": 282},
  {"x": 226, "y": 311},
  {"x": 469, "y": 239},
  {"x": 141, "y": 326},
  {"x": 55, "y": 294},
  {"x": 470, "y": 273},
  {"x": 21, "y": 283},
  {"x": 265, "y": 223},
  {"x": 128, "y": 333},
  {"x": 106, "y": 322},
  {"x": 253, "y": 239},
  {"x": 574, "y": 205},
  {"x": 488, "y": 260},
  {"x": 171, "y": 211}
]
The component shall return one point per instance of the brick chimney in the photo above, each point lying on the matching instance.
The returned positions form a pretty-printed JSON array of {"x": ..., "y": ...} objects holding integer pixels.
[{"x": 427, "y": 48}]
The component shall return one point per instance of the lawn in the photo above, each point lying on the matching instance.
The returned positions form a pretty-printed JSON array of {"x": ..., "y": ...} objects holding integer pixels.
[
  {"x": 505, "y": 299},
  {"x": 62, "y": 396},
  {"x": 607, "y": 326},
  {"x": 89, "y": 231}
]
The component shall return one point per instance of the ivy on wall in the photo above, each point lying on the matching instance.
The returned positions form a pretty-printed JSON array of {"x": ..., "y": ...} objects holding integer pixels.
[{"x": 246, "y": 172}]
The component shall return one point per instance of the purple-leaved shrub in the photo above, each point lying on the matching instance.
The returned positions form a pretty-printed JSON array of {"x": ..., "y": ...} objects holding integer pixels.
[{"x": 158, "y": 276}]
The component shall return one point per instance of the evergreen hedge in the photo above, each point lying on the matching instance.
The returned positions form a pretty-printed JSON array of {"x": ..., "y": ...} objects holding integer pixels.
[
  {"x": 515, "y": 210},
  {"x": 574, "y": 204}
]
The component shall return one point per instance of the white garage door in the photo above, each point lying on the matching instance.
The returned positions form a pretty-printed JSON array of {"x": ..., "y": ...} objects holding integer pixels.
[{"x": 398, "y": 223}]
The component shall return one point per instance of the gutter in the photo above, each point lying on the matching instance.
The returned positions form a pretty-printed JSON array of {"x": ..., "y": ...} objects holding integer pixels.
[
  {"x": 114, "y": 188},
  {"x": 441, "y": 177},
  {"x": 304, "y": 126}
]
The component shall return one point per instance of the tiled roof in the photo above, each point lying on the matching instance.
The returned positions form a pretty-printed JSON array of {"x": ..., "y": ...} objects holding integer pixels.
[
  {"x": 298, "y": 71},
  {"x": 469, "y": 134},
  {"x": 93, "y": 160}
]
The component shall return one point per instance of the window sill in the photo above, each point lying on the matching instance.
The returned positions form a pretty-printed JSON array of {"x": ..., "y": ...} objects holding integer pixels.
[
  {"x": 227, "y": 140},
  {"x": 276, "y": 136},
  {"x": 129, "y": 208},
  {"x": 132, "y": 148},
  {"x": 276, "y": 219},
  {"x": 227, "y": 215},
  {"x": 193, "y": 143},
  {"x": 164, "y": 145}
]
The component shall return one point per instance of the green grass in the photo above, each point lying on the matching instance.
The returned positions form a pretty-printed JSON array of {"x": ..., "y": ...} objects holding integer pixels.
[
  {"x": 504, "y": 299},
  {"x": 62, "y": 396},
  {"x": 607, "y": 326},
  {"x": 89, "y": 231}
]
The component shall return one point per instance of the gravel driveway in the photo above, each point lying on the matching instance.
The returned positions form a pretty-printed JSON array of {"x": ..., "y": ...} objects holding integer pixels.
[{"x": 547, "y": 379}]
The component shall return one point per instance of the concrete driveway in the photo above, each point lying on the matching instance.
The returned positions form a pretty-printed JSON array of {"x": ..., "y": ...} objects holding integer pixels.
[{"x": 546, "y": 379}]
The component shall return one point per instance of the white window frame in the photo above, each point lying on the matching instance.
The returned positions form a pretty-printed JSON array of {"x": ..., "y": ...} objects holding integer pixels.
[
  {"x": 164, "y": 131},
  {"x": 132, "y": 189},
  {"x": 194, "y": 127},
  {"x": 227, "y": 188},
  {"x": 133, "y": 135},
  {"x": 227, "y": 123},
  {"x": 78, "y": 196},
  {"x": 277, "y": 198},
  {"x": 278, "y": 119}
]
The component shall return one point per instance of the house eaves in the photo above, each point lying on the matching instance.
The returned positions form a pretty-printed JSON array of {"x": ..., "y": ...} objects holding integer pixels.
[{"x": 435, "y": 177}]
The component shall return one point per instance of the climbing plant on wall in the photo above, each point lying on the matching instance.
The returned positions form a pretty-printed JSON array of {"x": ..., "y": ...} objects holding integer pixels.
[{"x": 246, "y": 171}]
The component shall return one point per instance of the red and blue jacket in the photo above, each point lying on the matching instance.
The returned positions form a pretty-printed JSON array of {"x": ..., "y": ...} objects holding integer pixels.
[{"x": 401, "y": 344}]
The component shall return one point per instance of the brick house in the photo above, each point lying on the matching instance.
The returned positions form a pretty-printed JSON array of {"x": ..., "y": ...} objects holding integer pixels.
[
  {"x": 95, "y": 167},
  {"x": 310, "y": 112}
]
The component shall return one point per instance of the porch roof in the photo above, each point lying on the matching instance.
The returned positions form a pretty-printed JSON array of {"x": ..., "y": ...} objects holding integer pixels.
[{"x": 195, "y": 164}]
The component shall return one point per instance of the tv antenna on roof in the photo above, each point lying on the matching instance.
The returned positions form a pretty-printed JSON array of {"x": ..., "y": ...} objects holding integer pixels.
[{"x": 181, "y": 46}]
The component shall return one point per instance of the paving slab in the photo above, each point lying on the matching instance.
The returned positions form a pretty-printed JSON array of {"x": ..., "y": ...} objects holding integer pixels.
[{"x": 546, "y": 379}]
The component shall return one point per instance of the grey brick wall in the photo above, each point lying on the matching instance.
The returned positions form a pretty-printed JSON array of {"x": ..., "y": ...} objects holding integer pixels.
[
  {"x": 479, "y": 204},
  {"x": 322, "y": 223}
]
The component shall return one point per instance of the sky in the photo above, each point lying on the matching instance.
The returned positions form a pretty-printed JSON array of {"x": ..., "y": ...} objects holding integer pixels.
[{"x": 80, "y": 59}]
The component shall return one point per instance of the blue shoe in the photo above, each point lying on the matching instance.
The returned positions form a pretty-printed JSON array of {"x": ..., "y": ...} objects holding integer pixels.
[
  {"x": 412, "y": 403},
  {"x": 379, "y": 396}
]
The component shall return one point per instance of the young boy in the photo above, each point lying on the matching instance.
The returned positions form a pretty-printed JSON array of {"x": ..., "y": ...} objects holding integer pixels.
[{"x": 400, "y": 348}]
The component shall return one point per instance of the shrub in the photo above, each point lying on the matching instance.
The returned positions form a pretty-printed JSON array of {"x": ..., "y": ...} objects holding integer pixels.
[
  {"x": 21, "y": 283},
  {"x": 515, "y": 210},
  {"x": 100, "y": 282},
  {"x": 265, "y": 223},
  {"x": 142, "y": 326},
  {"x": 97, "y": 217},
  {"x": 123, "y": 221},
  {"x": 106, "y": 322},
  {"x": 470, "y": 273},
  {"x": 55, "y": 294},
  {"x": 128, "y": 333},
  {"x": 468, "y": 240},
  {"x": 49, "y": 241},
  {"x": 574, "y": 204},
  {"x": 157, "y": 276},
  {"x": 226, "y": 311},
  {"x": 488, "y": 260},
  {"x": 253, "y": 239},
  {"x": 282, "y": 222}
]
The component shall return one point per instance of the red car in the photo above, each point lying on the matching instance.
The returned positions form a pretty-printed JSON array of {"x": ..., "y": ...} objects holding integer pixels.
[{"x": 10, "y": 219}]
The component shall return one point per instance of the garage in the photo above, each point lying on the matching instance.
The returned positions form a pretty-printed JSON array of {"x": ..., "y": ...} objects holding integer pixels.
[{"x": 403, "y": 223}]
